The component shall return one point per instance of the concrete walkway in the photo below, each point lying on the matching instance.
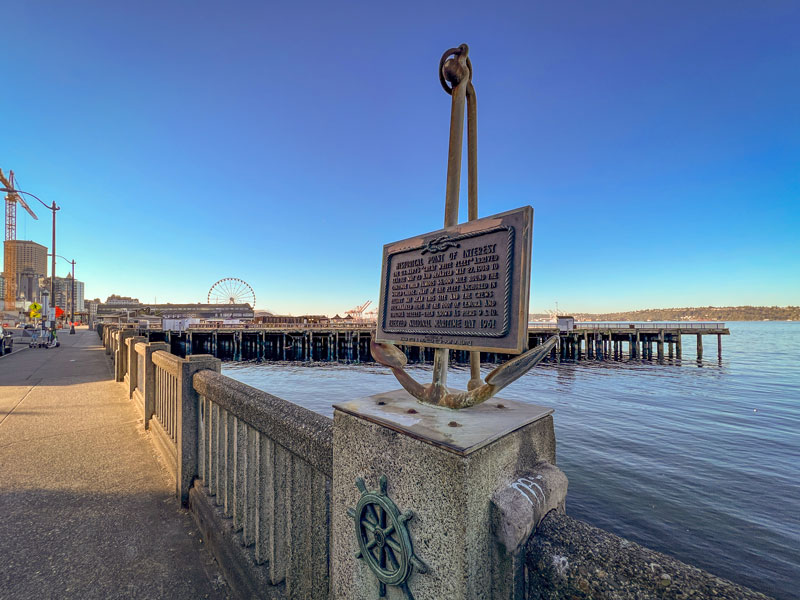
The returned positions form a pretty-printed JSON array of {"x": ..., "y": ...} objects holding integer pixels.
[{"x": 86, "y": 507}]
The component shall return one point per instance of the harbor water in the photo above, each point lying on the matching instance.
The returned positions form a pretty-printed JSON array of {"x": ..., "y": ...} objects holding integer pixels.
[{"x": 697, "y": 459}]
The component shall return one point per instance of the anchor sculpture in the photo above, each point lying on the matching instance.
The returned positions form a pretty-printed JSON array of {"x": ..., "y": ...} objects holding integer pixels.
[{"x": 455, "y": 75}]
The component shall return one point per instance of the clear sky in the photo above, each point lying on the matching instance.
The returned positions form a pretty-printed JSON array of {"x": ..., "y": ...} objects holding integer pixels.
[{"x": 285, "y": 142}]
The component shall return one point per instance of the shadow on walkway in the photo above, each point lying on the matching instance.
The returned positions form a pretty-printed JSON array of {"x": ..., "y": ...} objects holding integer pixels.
[{"x": 86, "y": 508}]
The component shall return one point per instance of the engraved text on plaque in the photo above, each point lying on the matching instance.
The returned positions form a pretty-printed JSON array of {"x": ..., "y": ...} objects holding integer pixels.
[{"x": 465, "y": 287}]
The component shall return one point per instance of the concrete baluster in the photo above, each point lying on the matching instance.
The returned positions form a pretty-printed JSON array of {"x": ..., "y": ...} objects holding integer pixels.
[
  {"x": 186, "y": 421},
  {"x": 133, "y": 362},
  {"x": 227, "y": 482},
  {"x": 299, "y": 514},
  {"x": 149, "y": 392},
  {"x": 239, "y": 474},
  {"x": 121, "y": 354},
  {"x": 252, "y": 487}
]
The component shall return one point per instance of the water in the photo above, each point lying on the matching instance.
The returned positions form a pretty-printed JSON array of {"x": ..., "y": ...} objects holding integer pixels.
[{"x": 700, "y": 460}]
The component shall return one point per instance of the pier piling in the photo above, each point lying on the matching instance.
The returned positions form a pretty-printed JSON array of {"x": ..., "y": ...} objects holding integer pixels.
[{"x": 314, "y": 343}]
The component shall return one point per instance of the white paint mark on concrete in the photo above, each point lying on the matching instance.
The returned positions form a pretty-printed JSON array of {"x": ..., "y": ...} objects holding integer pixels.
[{"x": 529, "y": 489}]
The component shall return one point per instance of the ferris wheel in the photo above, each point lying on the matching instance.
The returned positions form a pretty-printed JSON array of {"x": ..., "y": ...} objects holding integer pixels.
[{"x": 232, "y": 290}]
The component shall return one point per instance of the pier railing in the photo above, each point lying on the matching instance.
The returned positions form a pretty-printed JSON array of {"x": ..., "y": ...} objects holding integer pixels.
[
  {"x": 672, "y": 325},
  {"x": 299, "y": 326},
  {"x": 648, "y": 325}
]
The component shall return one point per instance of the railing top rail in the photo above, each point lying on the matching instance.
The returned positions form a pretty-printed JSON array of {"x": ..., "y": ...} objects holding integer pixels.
[
  {"x": 141, "y": 347},
  {"x": 333, "y": 325},
  {"x": 167, "y": 361},
  {"x": 636, "y": 325},
  {"x": 302, "y": 432}
]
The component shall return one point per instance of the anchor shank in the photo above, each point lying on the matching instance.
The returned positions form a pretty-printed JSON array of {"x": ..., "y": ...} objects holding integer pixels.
[
  {"x": 441, "y": 359},
  {"x": 472, "y": 190},
  {"x": 454, "y": 150},
  {"x": 459, "y": 95},
  {"x": 472, "y": 152}
]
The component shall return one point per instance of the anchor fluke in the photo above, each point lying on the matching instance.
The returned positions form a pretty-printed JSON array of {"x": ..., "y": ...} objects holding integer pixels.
[
  {"x": 515, "y": 368},
  {"x": 390, "y": 356}
]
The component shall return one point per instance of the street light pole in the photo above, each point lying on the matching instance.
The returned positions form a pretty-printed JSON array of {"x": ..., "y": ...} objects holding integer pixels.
[
  {"x": 53, "y": 263},
  {"x": 72, "y": 292},
  {"x": 72, "y": 300},
  {"x": 54, "y": 208}
]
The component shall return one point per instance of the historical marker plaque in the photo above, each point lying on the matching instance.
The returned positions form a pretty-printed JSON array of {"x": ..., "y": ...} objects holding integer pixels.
[{"x": 464, "y": 287}]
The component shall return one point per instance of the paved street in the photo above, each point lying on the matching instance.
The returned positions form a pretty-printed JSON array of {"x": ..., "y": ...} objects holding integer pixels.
[{"x": 86, "y": 508}]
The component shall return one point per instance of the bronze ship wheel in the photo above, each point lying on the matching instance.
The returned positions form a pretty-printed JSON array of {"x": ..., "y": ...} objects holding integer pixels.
[{"x": 383, "y": 539}]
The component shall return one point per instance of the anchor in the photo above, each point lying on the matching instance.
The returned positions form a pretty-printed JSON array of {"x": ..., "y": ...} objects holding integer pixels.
[{"x": 455, "y": 76}]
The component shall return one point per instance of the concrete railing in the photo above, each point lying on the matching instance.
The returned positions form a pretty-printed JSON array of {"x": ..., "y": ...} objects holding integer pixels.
[
  {"x": 261, "y": 467},
  {"x": 268, "y": 465},
  {"x": 274, "y": 489}
]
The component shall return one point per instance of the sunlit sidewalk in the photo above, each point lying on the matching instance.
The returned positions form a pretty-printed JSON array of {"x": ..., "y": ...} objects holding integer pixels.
[{"x": 86, "y": 509}]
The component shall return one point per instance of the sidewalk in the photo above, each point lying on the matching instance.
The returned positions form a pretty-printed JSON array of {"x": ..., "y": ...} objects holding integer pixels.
[{"x": 86, "y": 508}]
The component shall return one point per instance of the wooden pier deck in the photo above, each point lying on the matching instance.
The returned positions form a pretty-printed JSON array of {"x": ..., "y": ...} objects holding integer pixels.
[{"x": 322, "y": 342}]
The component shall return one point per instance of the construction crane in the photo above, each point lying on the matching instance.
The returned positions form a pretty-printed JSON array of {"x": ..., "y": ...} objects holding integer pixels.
[
  {"x": 10, "y": 253},
  {"x": 358, "y": 312}
]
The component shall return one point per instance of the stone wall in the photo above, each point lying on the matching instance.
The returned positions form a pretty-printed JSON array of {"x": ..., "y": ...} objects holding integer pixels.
[{"x": 567, "y": 558}]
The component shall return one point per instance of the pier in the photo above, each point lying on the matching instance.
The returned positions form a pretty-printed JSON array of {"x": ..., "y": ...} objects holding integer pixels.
[{"x": 351, "y": 344}]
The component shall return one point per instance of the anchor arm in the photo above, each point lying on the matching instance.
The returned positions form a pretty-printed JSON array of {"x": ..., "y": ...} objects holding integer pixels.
[
  {"x": 390, "y": 356},
  {"x": 501, "y": 377}
]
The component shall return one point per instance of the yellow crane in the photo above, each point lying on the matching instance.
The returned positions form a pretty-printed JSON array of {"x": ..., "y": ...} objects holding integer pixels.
[{"x": 10, "y": 250}]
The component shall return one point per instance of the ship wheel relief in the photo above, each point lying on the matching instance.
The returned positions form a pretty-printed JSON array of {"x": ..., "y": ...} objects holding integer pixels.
[{"x": 383, "y": 539}]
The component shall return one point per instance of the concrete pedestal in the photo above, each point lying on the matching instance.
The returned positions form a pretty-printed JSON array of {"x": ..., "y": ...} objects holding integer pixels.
[{"x": 445, "y": 466}]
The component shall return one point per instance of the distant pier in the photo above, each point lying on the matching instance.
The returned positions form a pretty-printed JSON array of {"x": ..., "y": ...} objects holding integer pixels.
[{"x": 337, "y": 343}]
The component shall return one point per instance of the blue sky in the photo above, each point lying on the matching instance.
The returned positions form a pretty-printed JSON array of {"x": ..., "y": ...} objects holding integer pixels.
[{"x": 285, "y": 143}]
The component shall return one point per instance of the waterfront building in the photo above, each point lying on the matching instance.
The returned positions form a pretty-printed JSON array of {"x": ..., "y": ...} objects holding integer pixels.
[
  {"x": 122, "y": 301},
  {"x": 131, "y": 307}
]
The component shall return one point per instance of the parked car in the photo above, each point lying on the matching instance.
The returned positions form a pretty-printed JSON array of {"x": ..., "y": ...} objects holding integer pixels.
[{"x": 6, "y": 343}]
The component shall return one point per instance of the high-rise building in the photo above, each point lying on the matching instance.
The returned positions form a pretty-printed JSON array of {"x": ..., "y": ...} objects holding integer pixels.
[
  {"x": 31, "y": 268},
  {"x": 63, "y": 293},
  {"x": 31, "y": 257}
]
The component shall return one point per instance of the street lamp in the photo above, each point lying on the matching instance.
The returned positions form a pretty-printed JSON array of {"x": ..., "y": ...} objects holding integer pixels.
[
  {"x": 72, "y": 293},
  {"x": 54, "y": 208}
]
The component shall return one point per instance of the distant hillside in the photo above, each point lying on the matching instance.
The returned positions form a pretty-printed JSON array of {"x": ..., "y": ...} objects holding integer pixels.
[{"x": 702, "y": 313}]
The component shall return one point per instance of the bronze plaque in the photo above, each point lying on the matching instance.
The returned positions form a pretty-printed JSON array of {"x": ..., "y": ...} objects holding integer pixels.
[{"x": 465, "y": 287}]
